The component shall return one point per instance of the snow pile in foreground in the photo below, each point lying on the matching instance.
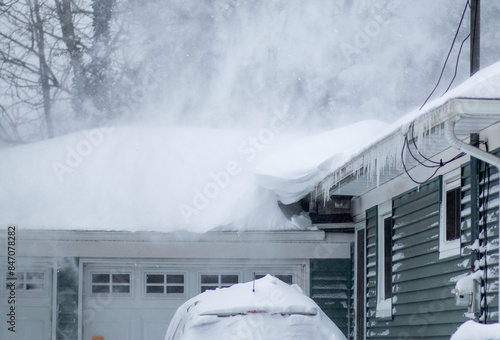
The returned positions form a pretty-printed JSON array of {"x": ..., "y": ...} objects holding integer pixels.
[
  {"x": 472, "y": 330},
  {"x": 267, "y": 308}
]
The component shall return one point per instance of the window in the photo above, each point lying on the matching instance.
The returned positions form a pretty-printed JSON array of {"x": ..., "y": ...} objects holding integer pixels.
[
  {"x": 449, "y": 230},
  {"x": 111, "y": 283},
  {"x": 28, "y": 281},
  {"x": 214, "y": 281},
  {"x": 287, "y": 278},
  {"x": 384, "y": 260},
  {"x": 162, "y": 284}
]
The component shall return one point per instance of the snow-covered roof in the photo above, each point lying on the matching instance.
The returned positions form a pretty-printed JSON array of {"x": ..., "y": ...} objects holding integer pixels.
[
  {"x": 165, "y": 179},
  {"x": 138, "y": 178}
]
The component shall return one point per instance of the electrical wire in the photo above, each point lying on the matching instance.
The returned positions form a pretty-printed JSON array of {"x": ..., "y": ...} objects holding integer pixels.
[
  {"x": 431, "y": 163},
  {"x": 456, "y": 64},
  {"x": 448, "y": 56}
]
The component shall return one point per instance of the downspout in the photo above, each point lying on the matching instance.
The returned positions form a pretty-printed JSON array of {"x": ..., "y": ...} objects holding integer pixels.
[
  {"x": 467, "y": 148},
  {"x": 449, "y": 132}
]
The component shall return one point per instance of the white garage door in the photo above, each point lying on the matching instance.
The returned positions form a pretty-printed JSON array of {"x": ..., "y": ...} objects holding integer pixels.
[
  {"x": 129, "y": 301},
  {"x": 33, "y": 303}
]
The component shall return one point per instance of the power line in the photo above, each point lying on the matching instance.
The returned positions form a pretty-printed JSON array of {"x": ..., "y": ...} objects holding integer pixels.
[{"x": 448, "y": 56}]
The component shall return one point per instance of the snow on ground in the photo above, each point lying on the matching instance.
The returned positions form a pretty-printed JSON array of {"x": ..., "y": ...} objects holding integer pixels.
[
  {"x": 267, "y": 308},
  {"x": 472, "y": 330}
]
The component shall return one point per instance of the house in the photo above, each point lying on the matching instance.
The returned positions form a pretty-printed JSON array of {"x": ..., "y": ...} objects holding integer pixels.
[
  {"x": 425, "y": 203},
  {"x": 394, "y": 234}
]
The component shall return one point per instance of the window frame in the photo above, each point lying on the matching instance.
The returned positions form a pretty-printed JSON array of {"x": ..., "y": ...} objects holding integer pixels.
[
  {"x": 164, "y": 295},
  {"x": 111, "y": 272},
  {"x": 219, "y": 274},
  {"x": 22, "y": 291},
  {"x": 449, "y": 248},
  {"x": 384, "y": 307}
]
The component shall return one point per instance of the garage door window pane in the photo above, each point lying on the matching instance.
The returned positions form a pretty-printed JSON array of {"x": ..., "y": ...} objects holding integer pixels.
[
  {"x": 210, "y": 279},
  {"x": 175, "y": 289},
  {"x": 121, "y": 289},
  {"x": 175, "y": 279},
  {"x": 232, "y": 279},
  {"x": 155, "y": 278},
  {"x": 121, "y": 278},
  {"x": 100, "y": 289},
  {"x": 154, "y": 289},
  {"x": 100, "y": 278}
]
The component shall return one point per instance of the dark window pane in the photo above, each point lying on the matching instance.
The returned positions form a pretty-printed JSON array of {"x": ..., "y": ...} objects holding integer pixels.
[
  {"x": 175, "y": 278},
  {"x": 286, "y": 278},
  {"x": 155, "y": 278},
  {"x": 175, "y": 289},
  {"x": 100, "y": 278},
  {"x": 229, "y": 279},
  {"x": 205, "y": 288},
  {"x": 34, "y": 286},
  {"x": 210, "y": 279},
  {"x": 453, "y": 214},
  {"x": 100, "y": 289},
  {"x": 34, "y": 276},
  {"x": 259, "y": 276},
  {"x": 19, "y": 276},
  {"x": 388, "y": 257},
  {"x": 121, "y": 278},
  {"x": 154, "y": 289},
  {"x": 121, "y": 289}
]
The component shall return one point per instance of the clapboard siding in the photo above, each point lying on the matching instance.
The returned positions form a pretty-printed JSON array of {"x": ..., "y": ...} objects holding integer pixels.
[
  {"x": 423, "y": 299},
  {"x": 331, "y": 289}
]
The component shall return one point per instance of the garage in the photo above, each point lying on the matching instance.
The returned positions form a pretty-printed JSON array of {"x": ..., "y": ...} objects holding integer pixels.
[{"x": 137, "y": 299}]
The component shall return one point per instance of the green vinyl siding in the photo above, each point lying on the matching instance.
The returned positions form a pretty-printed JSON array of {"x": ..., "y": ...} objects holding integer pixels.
[
  {"x": 331, "y": 289},
  {"x": 422, "y": 299}
]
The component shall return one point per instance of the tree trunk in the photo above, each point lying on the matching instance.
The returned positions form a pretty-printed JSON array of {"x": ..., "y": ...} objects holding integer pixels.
[
  {"x": 43, "y": 70},
  {"x": 65, "y": 15}
]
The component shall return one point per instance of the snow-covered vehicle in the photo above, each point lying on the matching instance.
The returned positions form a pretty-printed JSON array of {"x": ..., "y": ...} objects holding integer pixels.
[{"x": 264, "y": 309}]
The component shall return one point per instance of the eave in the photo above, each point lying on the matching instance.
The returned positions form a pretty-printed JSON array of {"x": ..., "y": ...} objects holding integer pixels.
[{"x": 382, "y": 161}]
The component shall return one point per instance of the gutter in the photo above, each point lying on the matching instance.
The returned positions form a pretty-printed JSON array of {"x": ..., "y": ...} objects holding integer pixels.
[{"x": 449, "y": 132}]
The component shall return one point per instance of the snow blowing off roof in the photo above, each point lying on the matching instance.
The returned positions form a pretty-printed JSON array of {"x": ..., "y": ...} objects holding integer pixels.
[{"x": 167, "y": 179}]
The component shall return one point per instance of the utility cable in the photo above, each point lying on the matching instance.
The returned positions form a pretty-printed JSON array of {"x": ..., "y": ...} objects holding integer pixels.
[{"x": 448, "y": 56}]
